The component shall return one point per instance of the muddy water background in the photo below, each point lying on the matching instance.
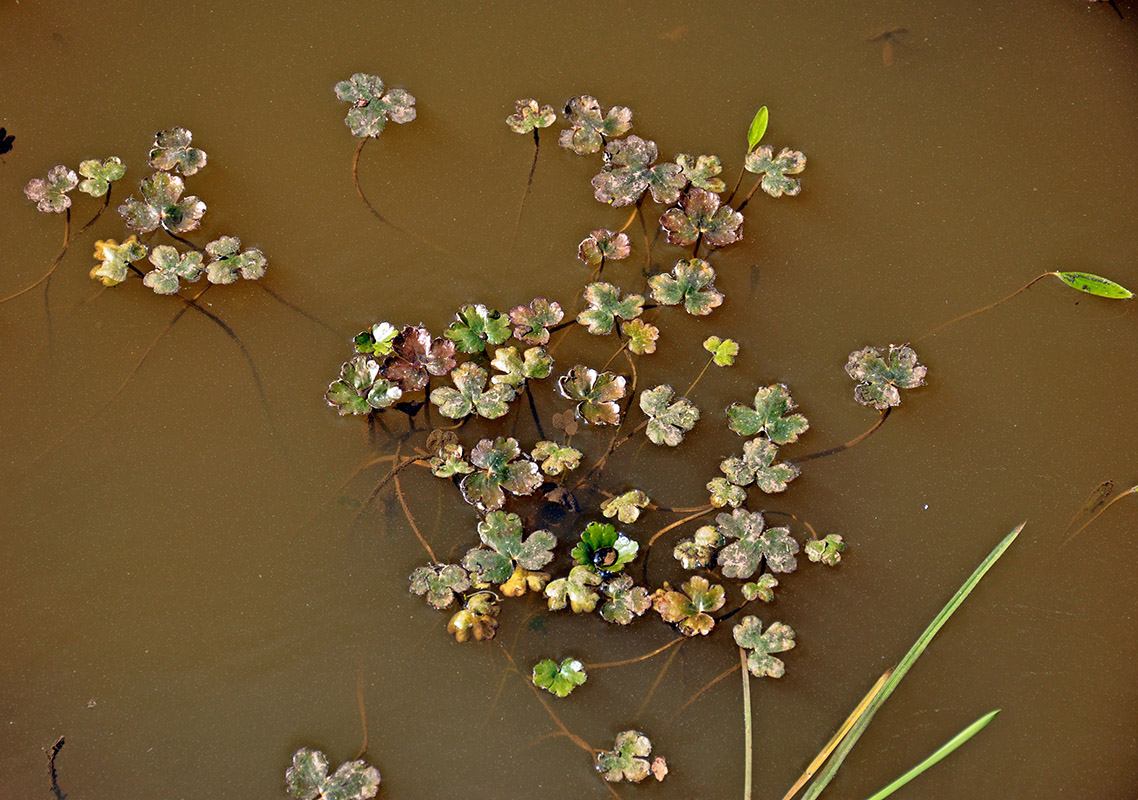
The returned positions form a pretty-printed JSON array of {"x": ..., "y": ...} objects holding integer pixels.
[{"x": 170, "y": 561}]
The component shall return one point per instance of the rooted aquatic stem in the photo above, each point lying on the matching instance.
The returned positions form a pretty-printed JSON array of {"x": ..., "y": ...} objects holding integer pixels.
[
  {"x": 988, "y": 307},
  {"x": 533, "y": 412},
  {"x": 703, "y": 689},
  {"x": 411, "y": 519},
  {"x": 631, "y": 217},
  {"x": 1098, "y": 513},
  {"x": 796, "y": 518},
  {"x": 846, "y": 446},
  {"x": 637, "y": 659},
  {"x": 395, "y": 470},
  {"x": 363, "y": 710},
  {"x": 747, "y": 757},
  {"x": 659, "y": 678},
  {"x": 698, "y": 377},
  {"x": 310, "y": 317},
  {"x": 525, "y": 194},
  {"x": 702, "y": 512}
]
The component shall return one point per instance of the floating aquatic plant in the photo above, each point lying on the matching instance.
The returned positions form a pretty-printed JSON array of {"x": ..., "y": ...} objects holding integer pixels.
[
  {"x": 626, "y": 600},
  {"x": 360, "y": 389},
  {"x": 477, "y": 619},
  {"x": 100, "y": 175},
  {"x": 757, "y": 465},
  {"x": 532, "y": 322},
  {"x": 115, "y": 259},
  {"x": 556, "y": 459},
  {"x": 752, "y": 544},
  {"x": 688, "y": 610},
  {"x": 372, "y": 106},
  {"x": 596, "y": 394},
  {"x": 308, "y": 778},
  {"x": 415, "y": 357},
  {"x": 628, "y": 759},
  {"x": 172, "y": 152},
  {"x": 589, "y": 129},
  {"x": 162, "y": 205},
  {"x": 723, "y": 351},
  {"x": 626, "y": 507},
  {"x": 504, "y": 549},
  {"x": 470, "y": 395},
  {"x": 768, "y": 416},
  {"x": 667, "y": 421},
  {"x": 50, "y": 193},
  {"x": 534, "y": 364},
  {"x": 440, "y": 583},
  {"x": 500, "y": 466},
  {"x": 604, "y": 306},
  {"x": 604, "y": 548},
  {"x": 603, "y": 245},
  {"x": 642, "y": 336},
  {"x": 762, "y": 589},
  {"x": 775, "y": 171},
  {"x": 577, "y": 590},
  {"x": 701, "y": 171},
  {"x": 631, "y": 169},
  {"x": 691, "y": 282},
  {"x": 828, "y": 551},
  {"x": 170, "y": 268},
  {"x": 777, "y": 638},
  {"x": 476, "y": 327},
  {"x": 700, "y": 217},
  {"x": 699, "y": 551},
  {"x": 228, "y": 261},
  {"x": 881, "y": 377},
  {"x": 530, "y": 116},
  {"x": 376, "y": 340},
  {"x": 561, "y": 679}
]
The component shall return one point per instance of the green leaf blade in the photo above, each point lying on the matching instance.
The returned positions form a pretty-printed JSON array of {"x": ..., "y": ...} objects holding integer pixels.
[
  {"x": 758, "y": 128},
  {"x": 1094, "y": 284}
]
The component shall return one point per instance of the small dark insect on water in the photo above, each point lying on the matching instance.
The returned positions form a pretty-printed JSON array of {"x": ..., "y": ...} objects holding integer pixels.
[
  {"x": 6, "y": 140},
  {"x": 887, "y": 37}
]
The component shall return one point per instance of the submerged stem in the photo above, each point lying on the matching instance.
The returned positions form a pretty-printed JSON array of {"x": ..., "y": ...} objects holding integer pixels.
[
  {"x": 1098, "y": 513},
  {"x": 525, "y": 194},
  {"x": 747, "y": 759},
  {"x": 988, "y": 307},
  {"x": 703, "y": 689},
  {"x": 847, "y": 445},
  {"x": 687, "y": 391},
  {"x": 54, "y": 263},
  {"x": 637, "y": 659},
  {"x": 411, "y": 519}
]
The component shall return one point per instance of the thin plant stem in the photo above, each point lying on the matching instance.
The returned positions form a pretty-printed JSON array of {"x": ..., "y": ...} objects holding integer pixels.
[
  {"x": 796, "y": 518},
  {"x": 310, "y": 317},
  {"x": 836, "y": 739},
  {"x": 747, "y": 741},
  {"x": 846, "y": 446},
  {"x": 659, "y": 678},
  {"x": 411, "y": 519},
  {"x": 738, "y": 181},
  {"x": 1097, "y": 514},
  {"x": 395, "y": 470},
  {"x": 623, "y": 345},
  {"x": 631, "y": 217},
  {"x": 703, "y": 689},
  {"x": 533, "y": 411},
  {"x": 625, "y": 662},
  {"x": 345, "y": 482},
  {"x": 525, "y": 194},
  {"x": 363, "y": 709},
  {"x": 750, "y": 194},
  {"x": 647, "y": 241},
  {"x": 700, "y": 512},
  {"x": 988, "y": 307},
  {"x": 184, "y": 241},
  {"x": 698, "y": 377}
]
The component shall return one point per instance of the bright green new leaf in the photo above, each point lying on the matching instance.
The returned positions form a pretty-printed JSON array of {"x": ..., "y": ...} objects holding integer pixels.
[
  {"x": 440, "y": 583},
  {"x": 555, "y": 458},
  {"x": 628, "y": 759},
  {"x": 667, "y": 421},
  {"x": 776, "y": 171},
  {"x": 881, "y": 377},
  {"x": 828, "y": 550},
  {"x": 1093, "y": 284},
  {"x": 688, "y": 610},
  {"x": 625, "y": 602},
  {"x": 228, "y": 261},
  {"x": 476, "y": 327},
  {"x": 470, "y": 394},
  {"x": 559, "y": 680},
  {"x": 757, "y": 128},
  {"x": 170, "y": 267},
  {"x": 768, "y": 416},
  {"x": 757, "y": 465},
  {"x": 691, "y": 282},
  {"x": 723, "y": 351},
  {"x": 172, "y": 151},
  {"x": 777, "y": 638},
  {"x": 576, "y": 591},
  {"x": 115, "y": 259},
  {"x": 376, "y": 341},
  {"x": 642, "y": 336},
  {"x": 601, "y": 546},
  {"x": 625, "y": 507},
  {"x": 605, "y": 305},
  {"x": 100, "y": 175},
  {"x": 596, "y": 394}
]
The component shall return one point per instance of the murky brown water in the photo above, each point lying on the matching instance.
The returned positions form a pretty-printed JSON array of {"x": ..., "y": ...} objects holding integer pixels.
[{"x": 182, "y": 606}]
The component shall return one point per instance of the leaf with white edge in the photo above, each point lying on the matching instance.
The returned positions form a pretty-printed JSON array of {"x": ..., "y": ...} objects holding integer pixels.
[
  {"x": 596, "y": 393},
  {"x": 775, "y": 546},
  {"x": 589, "y": 129},
  {"x": 228, "y": 261},
  {"x": 449, "y": 461},
  {"x": 642, "y": 336},
  {"x": 725, "y": 493},
  {"x": 383, "y": 394},
  {"x": 115, "y": 259},
  {"x": 757, "y": 128},
  {"x": 100, "y": 175},
  {"x": 723, "y": 351},
  {"x": 1094, "y": 284},
  {"x": 605, "y": 305},
  {"x": 559, "y": 680},
  {"x": 699, "y": 551},
  {"x": 777, "y": 638},
  {"x": 529, "y": 116},
  {"x": 828, "y": 550},
  {"x": 534, "y": 364},
  {"x": 532, "y": 322},
  {"x": 50, "y": 193},
  {"x": 628, "y": 759},
  {"x": 701, "y": 171},
  {"x": 349, "y": 394},
  {"x": 757, "y": 465},
  {"x": 477, "y": 619},
  {"x": 501, "y": 465},
  {"x": 371, "y": 106},
  {"x": 769, "y": 416},
  {"x": 775, "y": 170},
  {"x": 170, "y": 267},
  {"x": 625, "y": 507},
  {"x": 626, "y": 601},
  {"x": 555, "y": 458},
  {"x": 630, "y": 169},
  {"x": 762, "y": 589},
  {"x": 688, "y": 610},
  {"x": 603, "y": 245},
  {"x": 376, "y": 341},
  {"x": 308, "y": 779},
  {"x": 162, "y": 205},
  {"x": 691, "y": 282},
  {"x": 700, "y": 215},
  {"x": 881, "y": 377},
  {"x": 172, "y": 151},
  {"x": 667, "y": 421},
  {"x": 470, "y": 395},
  {"x": 354, "y": 780},
  {"x": 440, "y": 583},
  {"x": 305, "y": 778},
  {"x": 576, "y": 590},
  {"x": 476, "y": 327}
]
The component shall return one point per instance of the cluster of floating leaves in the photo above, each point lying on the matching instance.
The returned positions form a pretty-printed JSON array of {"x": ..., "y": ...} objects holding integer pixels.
[
  {"x": 628, "y": 759},
  {"x": 372, "y": 105}
]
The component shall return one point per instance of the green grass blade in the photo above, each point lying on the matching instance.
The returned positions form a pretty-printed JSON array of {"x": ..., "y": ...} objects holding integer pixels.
[
  {"x": 757, "y": 129},
  {"x": 937, "y": 755},
  {"x": 1094, "y": 284},
  {"x": 827, "y": 774}
]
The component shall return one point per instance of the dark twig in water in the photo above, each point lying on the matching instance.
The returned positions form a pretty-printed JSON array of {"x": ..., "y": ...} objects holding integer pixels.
[
  {"x": 411, "y": 519},
  {"x": 525, "y": 194},
  {"x": 51, "y": 754},
  {"x": 533, "y": 410},
  {"x": 847, "y": 445},
  {"x": 310, "y": 317}
]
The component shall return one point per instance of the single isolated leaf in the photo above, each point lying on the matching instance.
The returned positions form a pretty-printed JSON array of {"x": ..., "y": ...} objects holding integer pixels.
[
  {"x": 688, "y": 610},
  {"x": 476, "y": 327},
  {"x": 604, "y": 548},
  {"x": 757, "y": 466},
  {"x": 50, "y": 194},
  {"x": 659, "y": 768},
  {"x": 415, "y": 357},
  {"x": 775, "y": 171},
  {"x": 559, "y": 680},
  {"x": 576, "y": 591},
  {"x": 605, "y": 305},
  {"x": 625, "y": 507},
  {"x": 228, "y": 261},
  {"x": 534, "y": 364},
  {"x": 305, "y": 778},
  {"x": 1094, "y": 284},
  {"x": 691, "y": 282},
  {"x": 596, "y": 394},
  {"x": 667, "y": 421},
  {"x": 603, "y": 245},
  {"x": 115, "y": 259},
  {"x": 625, "y": 602},
  {"x": 628, "y": 759},
  {"x": 723, "y": 351},
  {"x": 589, "y": 128},
  {"x": 171, "y": 151},
  {"x": 371, "y": 107},
  {"x": 162, "y": 205},
  {"x": 642, "y": 336},
  {"x": 308, "y": 779},
  {"x": 881, "y": 377},
  {"x": 376, "y": 341},
  {"x": 763, "y": 588},
  {"x": 555, "y": 458},
  {"x": 530, "y": 116},
  {"x": 501, "y": 465},
  {"x": 470, "y": 395},
  {"x": 701, "y": 171},
  {"x": 100, "y": 175},
  {"x": 768, "y": 416},
  {"x": 777, "y": 638},
  {"x": 532, "y": 322},
  {"x": 699, "y": 551},
  {"x": 700, "y": 215},
  {"x": 440, "y": 583},
  {"x": 170, "y": 267},
  {"x": 478, "y": 619},
  {"x": 828, "y": 550},
  {"x": 630, "y": 170},
  {"x": 757, "y": 129}
]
